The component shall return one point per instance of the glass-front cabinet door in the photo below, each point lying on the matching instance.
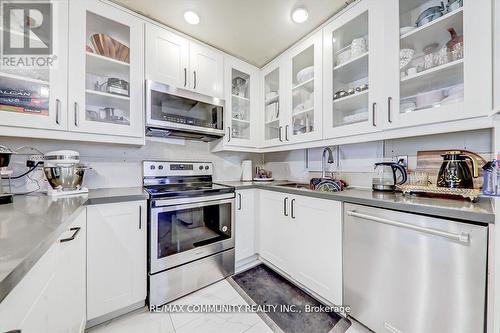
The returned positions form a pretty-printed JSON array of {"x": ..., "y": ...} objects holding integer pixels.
[
  {"x": 304, "y": 120},
  {"x": 441, "y": 52},
  {"x": 105, "y": 70},
  {"x": 33, "y": 88},
  {"x": 273, "y": 118},
  {"x": 352, "y": 78},
  {"x": 241, "y": 103}
]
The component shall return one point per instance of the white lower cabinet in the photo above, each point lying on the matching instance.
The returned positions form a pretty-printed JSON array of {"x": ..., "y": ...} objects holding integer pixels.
[
  {"x": 302, "y": 236},
  {"x": 244, "y": 224},
  {"x": 116, "y": 257},
  {"x": 51, "y": 297}
]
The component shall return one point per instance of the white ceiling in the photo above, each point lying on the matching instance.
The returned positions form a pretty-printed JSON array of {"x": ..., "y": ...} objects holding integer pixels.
[{"x": 253, "y": 30}]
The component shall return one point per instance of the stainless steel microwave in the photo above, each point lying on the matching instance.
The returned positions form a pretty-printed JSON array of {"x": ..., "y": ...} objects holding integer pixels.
[{"x": 180, "y": 113}]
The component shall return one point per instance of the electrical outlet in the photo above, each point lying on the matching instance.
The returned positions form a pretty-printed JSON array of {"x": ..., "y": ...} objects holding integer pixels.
[
  {"x": 403, "y": 159},
  {"x": 33, "y": 160}
]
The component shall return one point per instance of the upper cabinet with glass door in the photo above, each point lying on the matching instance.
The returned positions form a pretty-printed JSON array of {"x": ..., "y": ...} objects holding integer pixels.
[
  {"x": 241, "y": 103},
  {"x": 106, "y": 70},
  {"x": 305, "y": 61},
  {"x": 441, "y": 57},
  {"x": 351, "y": 72},
  {"x": 34, "y": 94},
  {"x": 273, "y": 100}
]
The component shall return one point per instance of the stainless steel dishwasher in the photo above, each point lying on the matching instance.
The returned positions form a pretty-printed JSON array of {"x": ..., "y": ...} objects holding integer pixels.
[{"x": 412, "y": 273}]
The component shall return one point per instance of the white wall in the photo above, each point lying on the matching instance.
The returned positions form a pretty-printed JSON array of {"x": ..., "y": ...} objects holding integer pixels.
[
  {"x": 121, "y": 166},
  {"x": 356, "y": 160}
]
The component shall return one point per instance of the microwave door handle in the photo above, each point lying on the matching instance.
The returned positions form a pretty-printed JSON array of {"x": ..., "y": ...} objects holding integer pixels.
[{"x": 461, "y": 237}]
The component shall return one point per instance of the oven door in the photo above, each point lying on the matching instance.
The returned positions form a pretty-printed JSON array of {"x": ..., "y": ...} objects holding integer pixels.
[{"x": 180, "y": 233}]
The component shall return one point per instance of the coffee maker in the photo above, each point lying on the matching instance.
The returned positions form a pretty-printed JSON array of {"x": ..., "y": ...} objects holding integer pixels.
[{"x": 6, "y": 196}]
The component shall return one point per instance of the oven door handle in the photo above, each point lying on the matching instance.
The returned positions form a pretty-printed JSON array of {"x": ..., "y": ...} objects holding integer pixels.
[{"x": 166, "y": 205}]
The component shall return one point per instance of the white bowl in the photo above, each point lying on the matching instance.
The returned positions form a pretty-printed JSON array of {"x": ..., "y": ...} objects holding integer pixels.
[{"x": 305, "y": 74}]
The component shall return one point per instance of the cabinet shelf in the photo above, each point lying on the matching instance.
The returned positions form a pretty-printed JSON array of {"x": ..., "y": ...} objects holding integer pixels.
[
  {"x": 303, "y": 112},
  {"x": 107, "y": 67},
  {"x": 352, "y": 70},
  {"x": 272, "y": 121},
  {"x": 434, "y": 31},
  {"x": 23, "y": 78},
  {"x": 241, "y": 121},
  {"x": 438, "y": 77},
  {"x": 306, "y": 85},
  {"x": 240, "y": 98},
  {"x": 102, "y": 99},
  {"x": 352, "y": 102}
]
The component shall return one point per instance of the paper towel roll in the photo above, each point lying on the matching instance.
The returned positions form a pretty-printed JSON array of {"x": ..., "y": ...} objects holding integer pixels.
[{"x": 246, "y": 171}]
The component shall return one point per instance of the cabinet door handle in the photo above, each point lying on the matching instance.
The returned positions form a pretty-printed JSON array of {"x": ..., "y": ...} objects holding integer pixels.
[
  {"x": 239, "y": 201},
  {"x": 229, "y": 134},
  {"x": 292, "y": 204},
  {"x": 374, "y": 108},
  {"x": 286, "y": 133},
  {"x": 194, "y": 74},
  {"x": 77, "y": 121},
  {"x": 279, "y": 133},
  {"x": 76, "y": 231},
  {"x": 140, "y": 216},
  {"x": 389, "y": 102},
  {"x": 284, "y": 206},
  {"x": 58, "y": 110},
  {"x": 185, "y": 76}
]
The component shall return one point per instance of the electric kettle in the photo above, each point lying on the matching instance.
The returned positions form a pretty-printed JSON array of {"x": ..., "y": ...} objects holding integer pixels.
[
  {"x": 455, "y": 172},
  {"x": 387, "y": 175}
]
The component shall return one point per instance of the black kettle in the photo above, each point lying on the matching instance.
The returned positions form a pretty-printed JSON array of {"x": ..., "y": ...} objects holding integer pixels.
[{"x": 455, "y": 172}]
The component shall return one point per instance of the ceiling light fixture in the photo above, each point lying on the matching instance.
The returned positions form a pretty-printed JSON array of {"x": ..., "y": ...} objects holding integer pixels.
[
  {"x": 191, "y": 17},
  {"x": 300, "y": 14}
]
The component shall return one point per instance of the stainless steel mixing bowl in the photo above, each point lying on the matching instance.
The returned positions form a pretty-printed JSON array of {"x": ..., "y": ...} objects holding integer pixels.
[{"x": 65, "y": 178}]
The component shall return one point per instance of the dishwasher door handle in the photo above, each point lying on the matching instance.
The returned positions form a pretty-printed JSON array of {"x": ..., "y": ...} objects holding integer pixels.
[{"x": 461, "y": 237}]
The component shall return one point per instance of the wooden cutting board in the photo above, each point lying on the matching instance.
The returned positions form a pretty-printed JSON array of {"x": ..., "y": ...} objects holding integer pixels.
[{"x": 430, "y": 161}]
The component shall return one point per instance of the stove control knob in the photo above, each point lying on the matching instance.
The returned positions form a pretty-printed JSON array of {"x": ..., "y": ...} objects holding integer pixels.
[
  {"x": 201, "y": 167},
  {"x": 160, "y": 167},
  {"x": 206, "y": 167},
  {"x": 152, "y": 167}
]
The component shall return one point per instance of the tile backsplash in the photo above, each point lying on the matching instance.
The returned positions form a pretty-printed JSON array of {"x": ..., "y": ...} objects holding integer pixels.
[{"x": 120, "y": 165}]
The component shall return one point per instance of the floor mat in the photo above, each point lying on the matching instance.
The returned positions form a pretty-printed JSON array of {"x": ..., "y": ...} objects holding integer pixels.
[{"x": 265, "y": 287}]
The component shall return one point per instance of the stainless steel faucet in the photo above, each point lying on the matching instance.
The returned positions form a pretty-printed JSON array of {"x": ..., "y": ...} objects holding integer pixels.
[{"x": 330, "y": 160}]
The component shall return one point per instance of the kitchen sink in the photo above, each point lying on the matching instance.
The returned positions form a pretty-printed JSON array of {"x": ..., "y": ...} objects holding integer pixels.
[{"x": 295, "y": 185}]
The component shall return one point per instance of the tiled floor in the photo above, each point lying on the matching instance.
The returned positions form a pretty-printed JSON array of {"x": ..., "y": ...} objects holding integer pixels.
[{"x": 220, "y": 293}]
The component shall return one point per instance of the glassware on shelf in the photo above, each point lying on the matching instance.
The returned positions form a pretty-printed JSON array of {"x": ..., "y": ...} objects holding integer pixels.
[{"x": 240, "y": 86}]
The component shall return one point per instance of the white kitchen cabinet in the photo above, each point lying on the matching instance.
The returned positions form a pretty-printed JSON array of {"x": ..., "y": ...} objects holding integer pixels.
[
  {"x": 245, "y": 224},
  {"x": 116, "y": 257},
  {"x": 352, "y": 77},
  {"x": 242, "y": 103},
  {"x": 105, "y": 87},
  {"x": 181, "y": 63},
  {"x": 318, "y": 243},
  {"x": 275, "y": 230},
  {"x": 302, "y": 236},
  {"x": 272, "y": 92},
  {"x": 46, "y": 87},
  {"x": 207, "y": 67},
  {"x": 304, "y": 91},
  {"x": 439, "y": 84},
  {"x": 51, "y": 297},
  {"x": 167, "y": 58}
]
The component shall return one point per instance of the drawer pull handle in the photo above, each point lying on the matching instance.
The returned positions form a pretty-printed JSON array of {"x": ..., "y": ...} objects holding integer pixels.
[{"x": 76, "y": 231}]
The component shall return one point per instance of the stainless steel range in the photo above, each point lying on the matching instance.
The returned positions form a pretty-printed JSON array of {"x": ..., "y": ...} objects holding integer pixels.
[{"x": 191, "y": 234}]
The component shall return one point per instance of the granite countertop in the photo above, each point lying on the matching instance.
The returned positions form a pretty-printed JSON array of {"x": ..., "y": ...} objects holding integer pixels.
[
  {"x": 30, "y": 225},
  {"x": 481, "y": 211}
]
